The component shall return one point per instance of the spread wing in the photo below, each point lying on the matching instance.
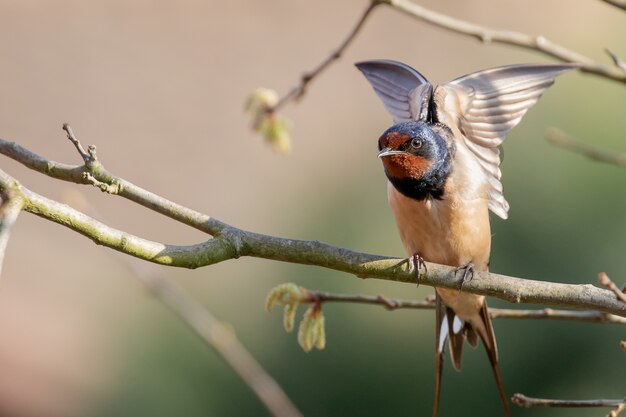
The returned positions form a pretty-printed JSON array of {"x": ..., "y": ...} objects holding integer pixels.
[
  {"x": 486, "y": 105},
  {"x": 404, "y": 91}
]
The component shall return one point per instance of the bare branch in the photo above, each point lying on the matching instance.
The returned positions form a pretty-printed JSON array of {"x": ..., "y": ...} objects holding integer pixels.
[
  {"x": 87, "y": 158},
  {"x": 82, "y": 174},
  {"x": 215, "y": 335},
  {"x": 299, "y": 90},
  {"x": 231, "y": 242},
  {"x": 10, "y": 208},
  {"x": 489, "y": 35},
  {"x": 548, "y": 313},
  {"x": 495, "y": 313},
  {"x": 619, "y": 62},
  {"x": 605, "y": 281},
  {"x": 526, "y": 402},
  {"x": 559, "y": 138}
]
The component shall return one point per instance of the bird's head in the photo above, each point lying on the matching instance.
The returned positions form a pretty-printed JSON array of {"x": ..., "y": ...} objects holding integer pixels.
[{"x": 416, "y": 158}]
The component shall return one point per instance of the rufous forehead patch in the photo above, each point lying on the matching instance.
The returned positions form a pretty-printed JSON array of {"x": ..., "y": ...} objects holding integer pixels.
[{"x": 392, "y": 140}]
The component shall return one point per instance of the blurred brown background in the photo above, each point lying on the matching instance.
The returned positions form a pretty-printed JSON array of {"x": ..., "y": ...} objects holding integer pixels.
[{"x": 159, "y": 87}]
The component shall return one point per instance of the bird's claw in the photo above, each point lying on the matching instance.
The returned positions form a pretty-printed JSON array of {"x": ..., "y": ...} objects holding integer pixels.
[
  {"x": 418, "y": 262},
  {"x": 468, "y": 273}
]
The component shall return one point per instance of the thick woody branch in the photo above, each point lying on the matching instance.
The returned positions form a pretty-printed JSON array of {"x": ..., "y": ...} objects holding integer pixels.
[
  {"x": 215, "y": 334},
  {"x": 231, "y": 242},
  {"x": 507, "y": 37},
  {"x": 495, "y": 313},
  {"x": 559, "y": 138}
]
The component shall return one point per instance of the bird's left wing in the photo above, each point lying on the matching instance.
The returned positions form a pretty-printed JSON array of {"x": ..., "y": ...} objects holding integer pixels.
[
  {"x": 404, "y": 91},
  {"x": 486, "y": 105}
]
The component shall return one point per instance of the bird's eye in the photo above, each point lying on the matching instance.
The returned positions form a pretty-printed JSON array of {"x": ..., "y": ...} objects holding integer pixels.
[{"x": 416, "y": 143}]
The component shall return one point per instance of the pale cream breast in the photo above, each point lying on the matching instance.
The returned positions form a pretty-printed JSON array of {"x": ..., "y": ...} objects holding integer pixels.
[{"x": 451, "y": 231}]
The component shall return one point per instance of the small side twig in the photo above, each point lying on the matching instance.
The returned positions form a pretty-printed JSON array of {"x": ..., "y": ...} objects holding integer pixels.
[
  {"x": 87, "y": 156},
  {"x": 495, "y": 313},
  {"x": 605, "y": 281},
  {"x": 299, "y": 90},
  {"x": 527, "y": 402},
  {"x": 559, "y": 138},
  {"x": 619, "y": 62}
]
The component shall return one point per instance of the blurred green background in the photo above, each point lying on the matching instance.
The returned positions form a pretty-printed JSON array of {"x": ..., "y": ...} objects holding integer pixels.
[{"x": 159, "y": 87}]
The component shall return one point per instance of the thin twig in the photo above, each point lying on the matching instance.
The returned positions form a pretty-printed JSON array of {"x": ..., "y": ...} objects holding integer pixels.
[
  {"x": 605, "y": 281},
  {"x": 495, "y": 313},
  {"x": 299, "y": 90},
  {"x": 619, "y": 62},
  {"x": 526, "y": 402},
  {"x": 621, "y": 4},
  {"x": 79, "y": 147},
  {"x": 559, "y": 138},
  {"x": 489, "y": 35},
  {"x": 231, "y": 243},
  {"x": 10, "y": 208}
]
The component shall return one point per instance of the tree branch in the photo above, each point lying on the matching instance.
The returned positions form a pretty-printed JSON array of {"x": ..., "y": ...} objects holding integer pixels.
[
  {"x": 559, "y": 138},
  {"x": 299, "y": 90},
  {"x": 495, "y": 313},
  {"x": 507, "y": 37},
  {"x": 213, "y": 333},
  {"x": 231, "y": 242},
  {"x": 526, "y": 402}
]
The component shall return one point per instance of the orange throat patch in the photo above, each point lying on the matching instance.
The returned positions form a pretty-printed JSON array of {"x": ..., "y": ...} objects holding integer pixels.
[{"x": 406, "y": 166}]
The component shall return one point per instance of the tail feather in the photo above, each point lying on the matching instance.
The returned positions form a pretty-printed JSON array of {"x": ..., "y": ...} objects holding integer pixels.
[
  {"x": 449, "y": 326},
  {"x": 489, "y": 340}
]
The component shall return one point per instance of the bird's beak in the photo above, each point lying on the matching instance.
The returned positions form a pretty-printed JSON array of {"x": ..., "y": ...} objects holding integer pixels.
[{"x": 388, "y": 152}]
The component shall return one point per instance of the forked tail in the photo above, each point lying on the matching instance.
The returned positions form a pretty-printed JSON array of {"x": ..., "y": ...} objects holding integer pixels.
[{"x": 450, "y": 326}]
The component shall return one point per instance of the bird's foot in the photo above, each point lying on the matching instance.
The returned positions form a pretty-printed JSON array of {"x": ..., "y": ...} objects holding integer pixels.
[
  {"x": 467, "y": 273},
  {"x": 418, "y": 262}
]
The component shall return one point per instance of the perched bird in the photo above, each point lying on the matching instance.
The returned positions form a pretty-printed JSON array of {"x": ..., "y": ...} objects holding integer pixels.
[{"x": 442, "y": 160}]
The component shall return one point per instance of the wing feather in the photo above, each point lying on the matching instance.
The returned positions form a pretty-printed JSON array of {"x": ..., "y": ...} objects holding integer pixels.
[
  {"x": 485, "y": 106},
  {"x": 402, "y": 89}
]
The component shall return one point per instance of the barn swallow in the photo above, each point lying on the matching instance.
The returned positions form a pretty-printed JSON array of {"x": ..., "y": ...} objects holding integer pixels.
[{"x": 442, "y": 162}]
